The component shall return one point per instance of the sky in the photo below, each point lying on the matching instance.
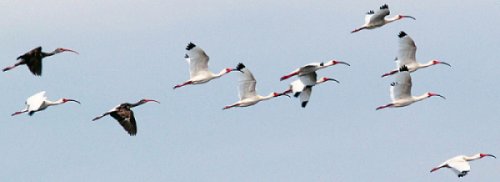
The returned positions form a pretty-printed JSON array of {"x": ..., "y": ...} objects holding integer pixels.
[{"x": 131, "y": 50}]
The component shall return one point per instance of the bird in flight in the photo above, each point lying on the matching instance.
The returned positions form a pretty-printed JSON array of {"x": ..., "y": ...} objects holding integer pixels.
[
  {"x": 377, "y": 19},
  {"x": 33, "y": 59},
  {"x": 39, "y": 102},
  {"x": 125, "y": 116},
  {"x": 198, "y": 67}
]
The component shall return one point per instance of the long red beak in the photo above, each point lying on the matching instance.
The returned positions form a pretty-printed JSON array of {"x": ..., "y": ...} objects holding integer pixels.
[
  {"x": 72, "y": 100},
  {"x": 69, "y": 50},
  {"x": 151, "y": 100}
]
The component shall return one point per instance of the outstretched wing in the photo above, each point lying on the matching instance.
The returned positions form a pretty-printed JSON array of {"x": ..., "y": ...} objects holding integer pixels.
[
  {"x": 305, "y": 95},
  {"x": 34, "y": 102},
  {"x": 33, "y": 60},
  {"x": 247, "y": 84},
  {"x": 379, "y": 15},
  {"x": 401, "y": 88},
  {"x": 460, "y": 167},
  {"x": 126, "y": 118},
  {"x": 407, "y": 50},
  {"x": 197, "y": 59}
]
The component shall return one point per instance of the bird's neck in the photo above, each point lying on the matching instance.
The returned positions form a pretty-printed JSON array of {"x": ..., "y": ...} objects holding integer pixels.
[
  {"x": 430, "y": 63},
  {"x": 222, "y": 72},
  {"x": 50, "y": 53},
  {"x": 271, "y": 95},
  {"x": 392, "y": 19},
  {"x": 421, "y": 97},
  {"x": 51, "y": 103},
  {"x": 471, "y": 158},
  {"x": 136, "y": 104}
]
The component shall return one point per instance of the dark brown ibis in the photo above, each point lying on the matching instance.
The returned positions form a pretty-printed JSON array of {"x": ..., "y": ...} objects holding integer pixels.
[
  {"x": 33, "y": 59},
  {"x": 125, "y": 116}
]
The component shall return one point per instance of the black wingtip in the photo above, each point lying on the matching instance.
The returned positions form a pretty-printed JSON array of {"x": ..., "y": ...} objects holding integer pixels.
[
  {"x": 296, "y": 94},
  {"x": 186, "y": 56},
  {"x": 402, "y": 34},
  {"x": 304, "y": 104},
  {"x": 190, "y": 46},
  {"x": 403, "y": 68},
  {"x": 385, "y": 6},
  {"x": 240, "y": 66},
  {"x": 370, "y": 12}
]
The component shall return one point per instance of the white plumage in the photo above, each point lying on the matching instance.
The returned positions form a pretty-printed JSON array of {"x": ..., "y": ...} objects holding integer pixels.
[
  {"x": 39, "y": 102},
  {"x": 377, "y": 19},
  {"x": 248, "y": 95},
  {"x": 460, "y": 164},
  {"x": 401, "y": 91},
  {"x": 198, "y": 67},
  {"x": 406, "y": 56},
  {"x": 303, "y": 86}
]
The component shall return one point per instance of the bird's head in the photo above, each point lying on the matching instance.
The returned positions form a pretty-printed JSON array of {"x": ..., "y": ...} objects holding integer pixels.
[
  {"x": 64, "y": 100},
  {"x": 142, "y": 101},
  {"x": 59, "y": 50},
  {"x": 430, "y": 94},
  {"x": 440, "y": 62},
  {"x": 481, "y": 155},
  {"x": 325, "y": 79},
  {"x": 334, "y": 62}
]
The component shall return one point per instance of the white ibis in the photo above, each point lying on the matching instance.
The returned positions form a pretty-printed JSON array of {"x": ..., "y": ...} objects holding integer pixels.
[
  {"x": 401, "y": 91},
  {"x": 303, "y": 86},
  {"x": 312, "y": 67},
  {"x": 460, "y": 164},
  {"x": 198, "y": 67},
  {"x": 377, "y": 19},
  {"x": 39, "y": 102},
  {"x": 248, "y": 95},
  {"x": 125, "y": 116},
  {"x": 406, "y": 56},
  {"x": 33, "y": 59}
]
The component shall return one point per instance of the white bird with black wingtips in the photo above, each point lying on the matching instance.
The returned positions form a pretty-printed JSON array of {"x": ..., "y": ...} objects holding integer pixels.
[
  {"x": 312, "y": 67},
  {"x": 406, "y": 56},
  {"x": 303, "y": 86},
  {"x": 248, "y": 95},
  {"x": 377, "y": 19},
  {"x": 401, "y": 91},
  {"x": 39, "y": 102},
  {"x": 198, "y": 67},
  {"x": 460, "y": 164}
]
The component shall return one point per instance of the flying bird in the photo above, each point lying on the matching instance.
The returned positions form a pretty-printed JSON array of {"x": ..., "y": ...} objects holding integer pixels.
[
  {"x": 125, "y": 116},
  {"x": 312, "y": 67},
  {"x": 39, "y": 102},
  {"x": 198, "y": 67},
  {"x": 248, "y": 95},
  {"x": 406, "y": 56},
  {"x": 460, "y": 164},
  {"x": 401, "y": 91},
  {"x": 33, "y": 59},
  {"x": 377, "y": 19},
  {"x": 303, "y": 86}
]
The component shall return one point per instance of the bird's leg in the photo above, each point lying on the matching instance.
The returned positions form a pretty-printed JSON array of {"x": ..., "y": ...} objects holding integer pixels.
[
  {"x": 358, "y": 29},
  {"x": 227, "y": 107},
  {"x": 13, "y": 66},
  {"x": 389, "y": 73},
  {"x": 19, "y": 112},
  {"x": 384, "y": 106},
  {"x": 289, "y": 75},
  {"x": 185, "y": 83},
  {"x": 99, "y": 117}
]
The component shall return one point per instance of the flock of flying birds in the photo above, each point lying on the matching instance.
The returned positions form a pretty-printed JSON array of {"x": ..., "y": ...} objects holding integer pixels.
[{"x": 197, "y": 59}]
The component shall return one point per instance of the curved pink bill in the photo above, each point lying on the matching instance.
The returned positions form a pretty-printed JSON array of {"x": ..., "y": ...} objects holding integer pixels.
[
  {"x": 69, "y": 50},
  {"x": 151, "y": 100}
]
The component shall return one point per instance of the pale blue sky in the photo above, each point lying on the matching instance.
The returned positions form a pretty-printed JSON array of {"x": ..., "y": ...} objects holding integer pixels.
[{"x": 131, "y": 50}]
